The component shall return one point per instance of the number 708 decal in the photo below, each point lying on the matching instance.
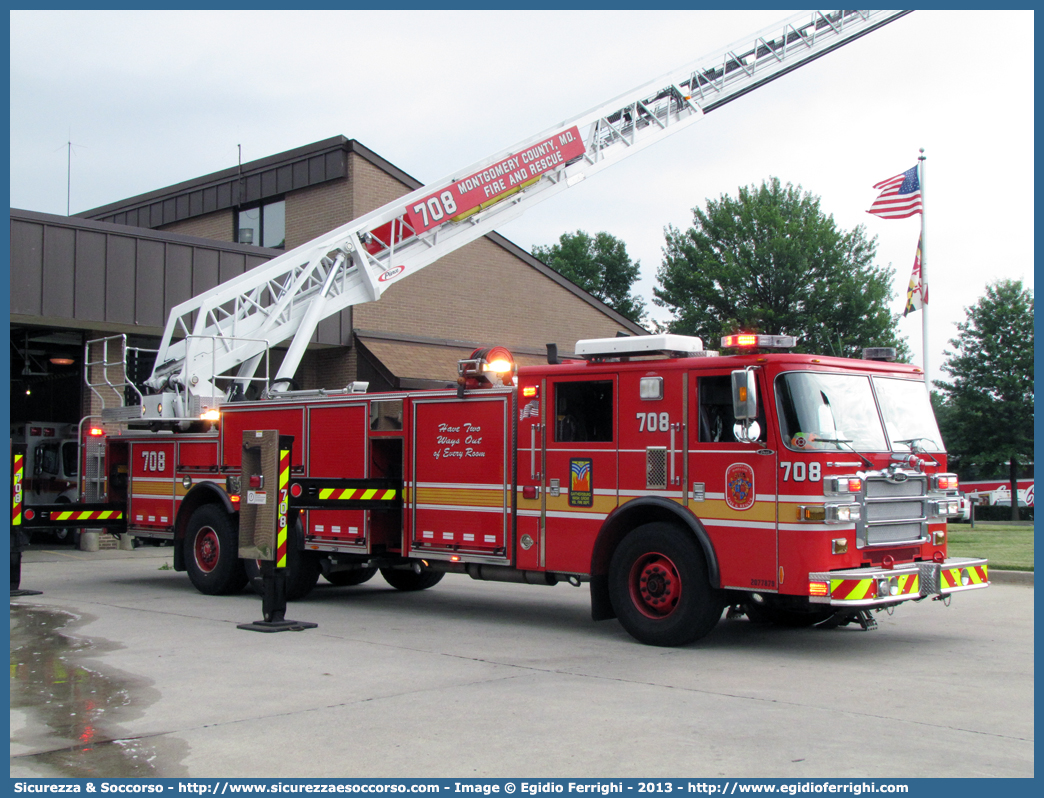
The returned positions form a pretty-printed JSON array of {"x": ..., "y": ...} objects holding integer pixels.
[
  {"x": 651, "y": 422},
  {"x": 799, "y": 471}
]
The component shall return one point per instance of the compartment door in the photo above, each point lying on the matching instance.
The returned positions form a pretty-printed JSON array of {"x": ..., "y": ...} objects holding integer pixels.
[
  {"x": 461, "y": 480},
  {"x": 152, "y": 485},
  {"x": 337, "y": 449}
]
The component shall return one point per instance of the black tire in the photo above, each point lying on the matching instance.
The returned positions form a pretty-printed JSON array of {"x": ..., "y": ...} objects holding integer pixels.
[
  {"x": 211, "y": 548},
  {"x": 659, "y": 587},
  {"x": 409, "y": 580},
  {"x": 349, "y": 578},
  {"x": 302, "y": 569}
]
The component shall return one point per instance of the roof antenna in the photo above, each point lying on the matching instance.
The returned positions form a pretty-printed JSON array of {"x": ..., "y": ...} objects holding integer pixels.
[{"x": 68, "y": 171}]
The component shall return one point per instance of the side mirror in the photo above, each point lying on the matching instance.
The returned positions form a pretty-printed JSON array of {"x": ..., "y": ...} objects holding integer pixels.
[
  {"x": 745, "y": 406},
  {"x": 744, "y": 395}
]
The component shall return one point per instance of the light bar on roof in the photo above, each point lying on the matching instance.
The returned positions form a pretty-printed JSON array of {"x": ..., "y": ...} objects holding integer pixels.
[
  {"x": 685, "y": 345},
  {"x": 751, "y": 340}
]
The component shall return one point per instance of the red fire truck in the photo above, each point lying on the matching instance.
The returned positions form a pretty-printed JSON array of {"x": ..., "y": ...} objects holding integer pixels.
[{"x": 674, "y": 481}]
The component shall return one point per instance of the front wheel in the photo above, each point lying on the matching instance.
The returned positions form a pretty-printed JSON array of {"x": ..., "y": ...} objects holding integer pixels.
[
  {"x": 659, "y": 587},
  {"x": 212, "y": 552}
]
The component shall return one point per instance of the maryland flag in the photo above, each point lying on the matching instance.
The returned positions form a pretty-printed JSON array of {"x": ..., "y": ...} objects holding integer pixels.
[{"x": 917, "y": 293}]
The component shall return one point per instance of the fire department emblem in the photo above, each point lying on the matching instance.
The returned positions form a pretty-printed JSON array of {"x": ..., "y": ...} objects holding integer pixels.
[
  {"x": 739, "y": 486},
  {"x": 581, "y": 487}
]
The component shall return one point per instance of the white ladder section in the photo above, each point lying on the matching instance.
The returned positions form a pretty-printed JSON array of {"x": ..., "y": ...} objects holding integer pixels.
[{"x": 225, "y": 331}]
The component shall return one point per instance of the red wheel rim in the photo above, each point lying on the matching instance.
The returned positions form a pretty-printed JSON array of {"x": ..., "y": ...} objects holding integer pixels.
[
  {"x": 207, "y": 549},
  {"x": 655, "y": 585}
]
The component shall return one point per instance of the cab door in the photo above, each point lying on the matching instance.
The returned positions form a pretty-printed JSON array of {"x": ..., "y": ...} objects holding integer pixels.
[
  {"x": 580, "y": 484},
  {"x": 653, "y": 420},
  {"x": 732, "y": 484}
]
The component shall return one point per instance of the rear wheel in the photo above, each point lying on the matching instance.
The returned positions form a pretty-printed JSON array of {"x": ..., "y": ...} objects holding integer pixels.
[
  {"x": 211, "y": 552},
  {"x": 659, "y": 587},
  {"x": 410, "y": 580},
  {"x": 348, "y": 578}
]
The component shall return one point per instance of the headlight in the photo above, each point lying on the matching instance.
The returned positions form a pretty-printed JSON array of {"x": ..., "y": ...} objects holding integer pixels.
[
  {"x": 887, "y": 586},
  {"x": 829, "y": 513},
  {"x": 841, "y": 485}
]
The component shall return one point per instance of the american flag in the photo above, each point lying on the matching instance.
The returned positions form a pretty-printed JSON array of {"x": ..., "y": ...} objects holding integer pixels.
[
  {"x": 530, "y": 410},
  {"x": 900, "y": 197},
  {"x": 916, "y": 294}
]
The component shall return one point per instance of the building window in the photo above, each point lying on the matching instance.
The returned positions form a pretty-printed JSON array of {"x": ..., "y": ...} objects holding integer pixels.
[{"x": 263, "y": 225}]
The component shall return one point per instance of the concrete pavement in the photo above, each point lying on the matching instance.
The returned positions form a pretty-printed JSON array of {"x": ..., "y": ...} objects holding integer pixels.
[{"x": 127, "y": 670}]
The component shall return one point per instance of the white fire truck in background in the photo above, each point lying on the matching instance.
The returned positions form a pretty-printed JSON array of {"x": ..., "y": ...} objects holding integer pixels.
[
  {"x": 51, "y": 467},
  {"x": 672, "y": 480}
]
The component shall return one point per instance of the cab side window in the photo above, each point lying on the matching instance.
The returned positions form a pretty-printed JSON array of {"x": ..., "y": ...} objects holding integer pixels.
[
  {"x": 716, "y": 416},
  {"x": 584, "y": 411}
]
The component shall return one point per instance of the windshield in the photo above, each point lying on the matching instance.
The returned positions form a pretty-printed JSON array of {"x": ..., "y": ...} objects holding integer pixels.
[
  {"x": 907, "y": 413},
  {"x": 828, "y": 411}
]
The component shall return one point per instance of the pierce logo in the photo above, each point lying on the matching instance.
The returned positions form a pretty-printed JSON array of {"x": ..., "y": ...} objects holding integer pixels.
[{"x": 395, "y": 271}]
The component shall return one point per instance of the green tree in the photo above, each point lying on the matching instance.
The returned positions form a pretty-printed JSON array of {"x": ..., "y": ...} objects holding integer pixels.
[
  {"x": 599, "y": 265},
  {"x": 987, "y": 410},
  {"x": 771, "y": 261}
]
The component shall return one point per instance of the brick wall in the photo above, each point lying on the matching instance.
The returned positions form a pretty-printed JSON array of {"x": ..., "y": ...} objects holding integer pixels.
[
  {"x": 317, "y": 210},
  {"x": 218, "y": 226},
  {"x": 485, "y": 294},
  {"x": 372, "y": 187}
]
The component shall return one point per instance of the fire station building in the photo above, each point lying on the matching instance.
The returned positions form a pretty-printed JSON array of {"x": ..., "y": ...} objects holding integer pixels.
[{"x": 120, "y": 268}]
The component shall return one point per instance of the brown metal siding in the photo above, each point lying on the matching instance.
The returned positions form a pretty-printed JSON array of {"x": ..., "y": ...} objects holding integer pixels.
[
  {"x": 231, "y": 265},
  {"x": 260, "y": 180},
  {"x": 75, "y": 272},
  {"x": 26, "y": 267},
  {"x": 90, "y": 276},
  {"x": 58, "y": 267},
  {"x": 204, "y": 271},
  {"x": 119, "y": 277},
  {"x": 177, "y": 287},
  {"x": 148, "y": 294}
]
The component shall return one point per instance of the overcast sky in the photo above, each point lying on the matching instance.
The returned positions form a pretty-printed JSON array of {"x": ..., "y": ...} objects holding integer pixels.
[{"x": 149, "y": 99}]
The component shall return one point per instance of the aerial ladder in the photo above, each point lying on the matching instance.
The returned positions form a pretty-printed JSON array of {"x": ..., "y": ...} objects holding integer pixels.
[{"x": 213, "y": 343}]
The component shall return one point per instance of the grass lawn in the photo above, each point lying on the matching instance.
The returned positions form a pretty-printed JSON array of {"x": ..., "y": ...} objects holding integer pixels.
[{"x": 1006, "y": 546}]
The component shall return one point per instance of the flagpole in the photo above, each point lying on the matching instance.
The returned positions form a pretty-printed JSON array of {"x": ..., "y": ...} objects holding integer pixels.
[{"x": 924, "y": 272}]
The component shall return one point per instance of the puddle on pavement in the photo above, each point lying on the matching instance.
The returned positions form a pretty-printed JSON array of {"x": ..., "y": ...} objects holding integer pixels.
[{"x": 72, "y": 712}]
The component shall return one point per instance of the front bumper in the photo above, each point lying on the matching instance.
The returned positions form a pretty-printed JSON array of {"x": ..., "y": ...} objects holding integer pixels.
[{"x": 881, "y": 587}]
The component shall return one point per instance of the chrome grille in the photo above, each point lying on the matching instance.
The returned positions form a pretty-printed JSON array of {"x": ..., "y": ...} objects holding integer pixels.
[
  {"x": 879, "y": 488},
  {"x": 894, "y": 533},
  {"x": 894, "y": 512}
]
